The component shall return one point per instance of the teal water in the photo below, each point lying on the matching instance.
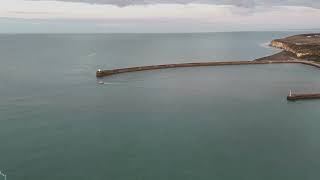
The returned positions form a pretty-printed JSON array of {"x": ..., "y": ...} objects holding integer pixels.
[{"x": 225, "y": 123}]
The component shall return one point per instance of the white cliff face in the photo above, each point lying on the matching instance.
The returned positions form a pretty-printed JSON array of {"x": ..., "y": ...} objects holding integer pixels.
[{"x": 281, "y": 45}]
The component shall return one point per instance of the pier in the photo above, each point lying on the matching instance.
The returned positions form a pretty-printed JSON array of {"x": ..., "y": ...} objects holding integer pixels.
[
  {"x": 296, "y": 97},
  {"x": 103, "y": 73}
]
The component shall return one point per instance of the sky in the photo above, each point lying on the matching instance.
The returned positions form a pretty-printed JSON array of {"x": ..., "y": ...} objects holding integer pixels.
[{"x": 125, "y": 16}]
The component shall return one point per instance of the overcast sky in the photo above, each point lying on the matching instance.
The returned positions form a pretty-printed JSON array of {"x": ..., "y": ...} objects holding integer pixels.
[{"x": 157, "y": 15}]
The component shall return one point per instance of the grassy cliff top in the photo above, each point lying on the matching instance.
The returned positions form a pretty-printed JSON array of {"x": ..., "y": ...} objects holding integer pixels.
[{"x": 303, "y": 39}]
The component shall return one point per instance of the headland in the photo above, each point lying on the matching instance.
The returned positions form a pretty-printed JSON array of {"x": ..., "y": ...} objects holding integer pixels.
[{"x": 304, "y": 46}]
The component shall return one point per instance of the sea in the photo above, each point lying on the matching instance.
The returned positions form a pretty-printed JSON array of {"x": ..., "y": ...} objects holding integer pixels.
[{"x": 204, "y": 123}]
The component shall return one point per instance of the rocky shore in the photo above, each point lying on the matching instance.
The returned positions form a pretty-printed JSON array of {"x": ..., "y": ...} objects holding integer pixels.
[{"x": 284, "y": 55}]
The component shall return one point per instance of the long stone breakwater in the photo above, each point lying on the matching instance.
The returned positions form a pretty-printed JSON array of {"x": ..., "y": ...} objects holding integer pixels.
[{"x": 103, "y": 73}]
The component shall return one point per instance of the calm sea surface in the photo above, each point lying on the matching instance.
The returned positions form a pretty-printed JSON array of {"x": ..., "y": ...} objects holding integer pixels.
[{"x": 223, "y": 123}]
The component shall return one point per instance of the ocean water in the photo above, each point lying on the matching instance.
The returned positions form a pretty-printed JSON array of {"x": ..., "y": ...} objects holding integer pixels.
[{"x": 224, "y": 123}]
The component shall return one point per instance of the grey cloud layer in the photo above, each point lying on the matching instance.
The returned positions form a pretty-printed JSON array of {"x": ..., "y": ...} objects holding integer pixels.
[{"x": 242, "y": 3}]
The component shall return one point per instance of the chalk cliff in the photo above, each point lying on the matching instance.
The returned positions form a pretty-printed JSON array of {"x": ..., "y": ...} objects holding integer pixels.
[{"x": 303, "y": 46}]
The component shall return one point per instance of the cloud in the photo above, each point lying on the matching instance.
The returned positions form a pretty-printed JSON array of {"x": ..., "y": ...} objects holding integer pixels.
[
  {"x": 27, "y": 9},
  {"x": 241, "y": 3},
  {"x": 72, "y": 10},
  {"x": 163, "y": 17}
]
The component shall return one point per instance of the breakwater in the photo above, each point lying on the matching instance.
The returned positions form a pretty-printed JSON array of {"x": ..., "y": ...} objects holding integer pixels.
[
  {"x": 103, "y": 73},
  {"x": 296, "y": 97}
]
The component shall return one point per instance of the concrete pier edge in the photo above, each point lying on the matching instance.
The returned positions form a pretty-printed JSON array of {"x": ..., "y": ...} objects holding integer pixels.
[{"x": 103, "y": 73}]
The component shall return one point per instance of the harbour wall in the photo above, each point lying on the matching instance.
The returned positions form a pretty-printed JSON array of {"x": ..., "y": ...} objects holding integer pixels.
[{"x": 103, "y": 73}]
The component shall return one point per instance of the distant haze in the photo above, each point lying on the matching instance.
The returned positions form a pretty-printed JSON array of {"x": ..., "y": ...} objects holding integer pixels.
[
  {"x": 157, "y": 15},
  {"x": 244, "y": 3}
]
